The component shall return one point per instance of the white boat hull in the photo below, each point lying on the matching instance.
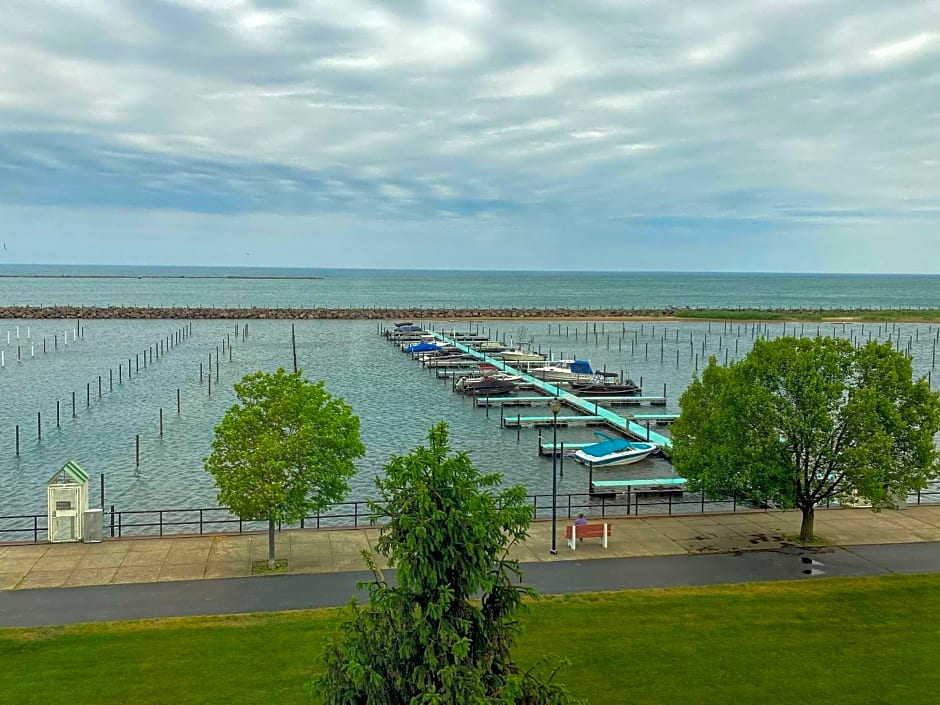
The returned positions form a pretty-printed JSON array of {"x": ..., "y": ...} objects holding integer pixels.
[{"x": 627, "y": 457}]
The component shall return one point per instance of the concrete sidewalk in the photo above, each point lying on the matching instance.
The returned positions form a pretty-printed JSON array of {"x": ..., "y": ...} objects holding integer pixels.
[{"x": 145, "y": 560}]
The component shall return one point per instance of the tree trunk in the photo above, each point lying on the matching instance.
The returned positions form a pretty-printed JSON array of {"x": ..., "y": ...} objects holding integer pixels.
[
  {"x": 271, "y": 544},
  {"x": 806, "y": 528}
]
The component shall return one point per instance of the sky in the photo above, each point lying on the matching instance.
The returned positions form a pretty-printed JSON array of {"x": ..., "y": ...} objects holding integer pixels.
[{"x": 741, "y": 135}]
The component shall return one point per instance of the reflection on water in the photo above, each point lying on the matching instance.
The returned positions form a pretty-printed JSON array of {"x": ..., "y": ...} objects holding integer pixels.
[{"x": 396, "y": 399}]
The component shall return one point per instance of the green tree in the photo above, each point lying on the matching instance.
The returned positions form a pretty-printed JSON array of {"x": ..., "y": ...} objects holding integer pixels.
[
  {"x": 284, "y": 450},
  {"x": 428, "y": 641},
  {"x": 799, "y": 421}
]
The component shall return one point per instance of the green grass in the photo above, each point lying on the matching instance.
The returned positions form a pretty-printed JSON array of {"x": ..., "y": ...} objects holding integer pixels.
[
  {"x": 861, "y": 315},
  {"x": 261, "y": 567},
  {"x": 852, "y": 640}
]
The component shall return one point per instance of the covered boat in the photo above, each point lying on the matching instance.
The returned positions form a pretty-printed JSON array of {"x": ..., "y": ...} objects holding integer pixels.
[
  {"x": 422, "y": 347},
  {"x": 603, "y": 387},
  {"x": 564, "y": 371},
  {"x": 614, "y": 451},
  {"x": 489, "y": 383},
  {"x": 518, "y": 355}
]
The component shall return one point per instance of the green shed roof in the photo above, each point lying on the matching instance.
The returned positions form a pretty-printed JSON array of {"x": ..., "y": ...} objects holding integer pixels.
[{"x": 70, "y": 469}]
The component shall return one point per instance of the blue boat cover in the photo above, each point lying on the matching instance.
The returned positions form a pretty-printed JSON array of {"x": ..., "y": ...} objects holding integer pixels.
[
  {"x": 581, "y": 367},
  {"x": 607, "y": 446},
  {"x": 422, "y": 347}
]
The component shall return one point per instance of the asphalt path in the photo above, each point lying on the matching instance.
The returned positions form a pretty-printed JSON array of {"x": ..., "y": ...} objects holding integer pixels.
[{"x": 106, "y": 603}]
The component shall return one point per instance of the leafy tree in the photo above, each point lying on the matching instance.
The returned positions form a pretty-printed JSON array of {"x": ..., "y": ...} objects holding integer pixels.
[
  {"x": 799, "y": 421},
  {"x": 425, "y": 642},
  {"x": 285, "y": 450}
]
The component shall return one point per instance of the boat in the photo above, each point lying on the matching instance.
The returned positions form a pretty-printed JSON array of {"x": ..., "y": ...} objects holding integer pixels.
[
  {"x": 486, "y": 386},
  {"x": 423, "y": 347},
  {"x": 564, "y": 371},
  {"x": 489, "y": 382},
  {"x": 602, "y": 387},
  {"x": 614, "y": 451},
  {"x": 489, "y": 346},
  {"x": 518, "y": 355}
]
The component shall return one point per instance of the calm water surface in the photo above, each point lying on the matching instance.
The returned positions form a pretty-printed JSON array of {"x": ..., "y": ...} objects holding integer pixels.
[
  {"x": 341, "y": 288},
  {"x": 396, "y": 399}
]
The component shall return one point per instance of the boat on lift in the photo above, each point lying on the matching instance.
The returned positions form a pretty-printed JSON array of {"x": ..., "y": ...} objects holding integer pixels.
[
  {"x": 607, "y": 385},
  {"x": 489, "y": 382},
  {"x": 519, "y": 355},
  {"x": 614, "y": 451},
  {"x": 564, "y": 371}
]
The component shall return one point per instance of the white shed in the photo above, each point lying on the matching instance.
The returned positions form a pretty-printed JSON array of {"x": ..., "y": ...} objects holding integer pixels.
[{"x": 67, "y": 494}]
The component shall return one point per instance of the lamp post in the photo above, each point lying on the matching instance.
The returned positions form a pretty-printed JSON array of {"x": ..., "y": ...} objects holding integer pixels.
[{"x": 556, "y": 407}]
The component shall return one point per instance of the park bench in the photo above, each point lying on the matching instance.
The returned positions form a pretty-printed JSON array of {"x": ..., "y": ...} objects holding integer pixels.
[{"x": 573, "y": 532}]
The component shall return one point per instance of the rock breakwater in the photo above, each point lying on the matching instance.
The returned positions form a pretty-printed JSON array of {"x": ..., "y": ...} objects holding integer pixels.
[{"x": 197, "y": 313}]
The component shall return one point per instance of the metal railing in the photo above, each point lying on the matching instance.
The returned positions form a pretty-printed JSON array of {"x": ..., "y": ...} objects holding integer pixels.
[{"x": 32, "y": 528}]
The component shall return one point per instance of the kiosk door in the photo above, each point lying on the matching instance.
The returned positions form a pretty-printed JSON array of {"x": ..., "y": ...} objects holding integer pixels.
[{"x": 64, "y": 505}]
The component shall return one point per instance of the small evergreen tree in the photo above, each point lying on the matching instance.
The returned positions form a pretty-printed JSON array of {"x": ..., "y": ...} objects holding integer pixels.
[{"x": 424, "y": 641}]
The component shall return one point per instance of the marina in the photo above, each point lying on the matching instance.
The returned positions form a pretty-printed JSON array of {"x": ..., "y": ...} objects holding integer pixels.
[{"x": 147, "y": 433}]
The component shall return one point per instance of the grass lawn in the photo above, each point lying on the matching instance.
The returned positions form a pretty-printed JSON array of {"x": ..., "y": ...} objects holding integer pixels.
[{"x": 852, "y": 640}]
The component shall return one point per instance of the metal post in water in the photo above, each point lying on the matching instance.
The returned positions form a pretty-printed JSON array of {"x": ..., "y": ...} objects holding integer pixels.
[
  {"x": 556, "y": 407},
  {"x": 293, "y": 345}
]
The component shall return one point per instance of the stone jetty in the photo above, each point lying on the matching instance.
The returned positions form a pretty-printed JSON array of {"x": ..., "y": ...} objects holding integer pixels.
[{"x": 397, "y": 314}]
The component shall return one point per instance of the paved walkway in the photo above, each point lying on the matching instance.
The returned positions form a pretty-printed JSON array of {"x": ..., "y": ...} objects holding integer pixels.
[
  {"x": 108, "y": 603},
  {"x": 148, "y": 560}
]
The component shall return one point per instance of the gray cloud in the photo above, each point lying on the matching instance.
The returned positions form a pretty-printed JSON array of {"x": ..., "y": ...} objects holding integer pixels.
[{"x": 745, "y": 125}]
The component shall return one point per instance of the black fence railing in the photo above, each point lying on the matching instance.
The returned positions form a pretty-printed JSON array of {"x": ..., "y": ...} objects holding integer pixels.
[{"x": 219, "y": 520}]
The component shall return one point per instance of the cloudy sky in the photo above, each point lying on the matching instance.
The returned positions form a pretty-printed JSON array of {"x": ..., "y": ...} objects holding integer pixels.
[{"x": 779, "y": 135}]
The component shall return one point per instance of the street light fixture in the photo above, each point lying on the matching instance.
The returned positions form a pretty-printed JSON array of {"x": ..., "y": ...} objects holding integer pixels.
[{"x": 556, "y": 407}]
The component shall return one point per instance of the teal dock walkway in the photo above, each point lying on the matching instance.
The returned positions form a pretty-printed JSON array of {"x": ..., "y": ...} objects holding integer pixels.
[
  {"x": 658, "y": 419},
  {"x": 540, "y": 400},
  {"x": 510, "y": 421},
  {"x": 665, "y": 485},
  {"x": 611, "y": 418}
]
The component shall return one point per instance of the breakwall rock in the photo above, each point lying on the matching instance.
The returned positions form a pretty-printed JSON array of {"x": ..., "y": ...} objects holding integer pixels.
[{"x": 396, "y": 314}]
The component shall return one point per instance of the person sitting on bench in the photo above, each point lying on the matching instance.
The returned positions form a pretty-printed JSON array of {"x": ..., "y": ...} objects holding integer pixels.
[{"x": 580, "y": 521}]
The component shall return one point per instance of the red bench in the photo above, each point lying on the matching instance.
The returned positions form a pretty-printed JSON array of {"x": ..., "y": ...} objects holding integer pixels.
[{"x": 573, "y": 532}]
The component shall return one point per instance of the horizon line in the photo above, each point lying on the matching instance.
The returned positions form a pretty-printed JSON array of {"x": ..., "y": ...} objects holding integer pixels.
[{"x": 469, "y": 270}]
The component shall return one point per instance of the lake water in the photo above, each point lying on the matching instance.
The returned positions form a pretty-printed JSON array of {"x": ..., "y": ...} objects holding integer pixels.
[
  {"x": 338, "y": 288},
  {"x": 396, "y": 399}
]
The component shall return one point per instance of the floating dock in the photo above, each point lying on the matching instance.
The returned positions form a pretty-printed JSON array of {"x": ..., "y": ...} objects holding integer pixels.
[
  {"x": 666, "y": 485},
  {"x": 595, "y": 401},
  {"x": 658, "y": 419},
  {"x": 562, "y": 448},
  {"x": 588, "y": 408},
  {"x": 576, "y": 420}
]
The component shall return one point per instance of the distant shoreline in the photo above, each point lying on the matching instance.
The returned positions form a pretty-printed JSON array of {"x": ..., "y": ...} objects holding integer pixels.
[{"x": 470, "y": 314}]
